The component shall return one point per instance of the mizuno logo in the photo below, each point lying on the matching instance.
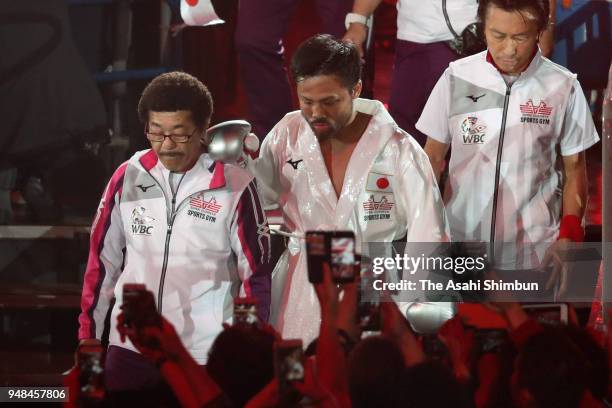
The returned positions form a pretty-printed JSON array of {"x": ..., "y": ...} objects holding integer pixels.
[
  {"x": 294, "y": 164},
  {"x": 145, "y": 188},
  {"x": 475, "y": 98}
]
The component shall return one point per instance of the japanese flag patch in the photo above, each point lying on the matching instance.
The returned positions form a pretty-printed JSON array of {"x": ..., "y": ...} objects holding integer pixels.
[{"x": 379, "y": 183}]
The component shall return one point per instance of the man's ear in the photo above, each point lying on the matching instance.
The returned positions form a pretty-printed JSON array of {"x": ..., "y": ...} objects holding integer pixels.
[
  {"x": 356, "y": 91},
  {"x": 204, "y": 134}
]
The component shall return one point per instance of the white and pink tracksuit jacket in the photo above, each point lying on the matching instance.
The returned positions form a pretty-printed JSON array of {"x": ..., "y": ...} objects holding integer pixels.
[{"x": 195, "y": 250}]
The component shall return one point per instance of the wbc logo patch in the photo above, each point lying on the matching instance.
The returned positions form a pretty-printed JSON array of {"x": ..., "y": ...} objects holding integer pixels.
[
  {"x": 377, "y": 210},
  {"x": 539, "y": 114},
  {"x": 204, "y": 209},
  {"x": 473, "y": 130},
  {"x": 142, "y": 224}
]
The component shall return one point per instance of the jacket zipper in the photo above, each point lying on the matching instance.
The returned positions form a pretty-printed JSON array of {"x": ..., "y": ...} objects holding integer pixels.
[
  {"x": 171, "y": 216},
  {"x": 500, "y": 147},
  {"x": 160, "y": 291}
]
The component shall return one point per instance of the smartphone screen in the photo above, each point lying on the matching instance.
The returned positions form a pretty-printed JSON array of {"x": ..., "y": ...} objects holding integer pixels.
[
  {"x": 288, "y": 363},
  {"x": 491, "y": 340},
  {"x": 337, "y": 248},
  {"x": 368, "y": 308},
  {"x": 91, "y": 371},
  {"x": 245, "y": 311},
  {"x": 343, "y": 258},
  {"x": 138, "y": 306},
  {"x": 368, "y": 314},
  {"x": 548, "y": 313},
  {"x": 316, "y": 249}
]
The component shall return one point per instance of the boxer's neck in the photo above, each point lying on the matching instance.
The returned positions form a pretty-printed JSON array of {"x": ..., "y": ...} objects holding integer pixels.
[
  {"x": 352, "y": 131},
  {"x": 337, "y": 150}
]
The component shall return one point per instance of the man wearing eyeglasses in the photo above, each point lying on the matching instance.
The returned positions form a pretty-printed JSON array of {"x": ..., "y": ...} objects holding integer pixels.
[
  {"x": 519, "y": 126},
  {"x": 191, "y": 229}
]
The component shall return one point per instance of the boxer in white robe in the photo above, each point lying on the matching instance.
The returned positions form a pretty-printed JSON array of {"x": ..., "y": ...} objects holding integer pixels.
[{"x": 340, "y": 163}]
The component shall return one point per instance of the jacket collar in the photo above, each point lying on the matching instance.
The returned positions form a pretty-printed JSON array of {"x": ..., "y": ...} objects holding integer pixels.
[
  {"x": 149, "y": 160},
  {"x": 530, "y": 68},
  {"x": 214, "y": 170},
  {"x": 217, "y": 169}
]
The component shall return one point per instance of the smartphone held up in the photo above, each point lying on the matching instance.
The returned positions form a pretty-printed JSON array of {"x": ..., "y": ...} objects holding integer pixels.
[
  {"x": 337, "y": 249},
  {"x": 288, "y": 363},
  {"x": 245, "y": 312},
  {"x": 90, "y": 363},
  {"x": 138, "y": 307}
]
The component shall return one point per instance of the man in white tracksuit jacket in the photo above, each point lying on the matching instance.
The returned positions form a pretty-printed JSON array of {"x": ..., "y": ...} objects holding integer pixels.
[
  {"x": 191, "y": 229},
  {"x": 518, "y": 125},
  {"x": 340, "y": 163}
]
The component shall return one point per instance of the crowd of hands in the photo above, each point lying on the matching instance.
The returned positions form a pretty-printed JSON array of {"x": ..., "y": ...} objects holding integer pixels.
[{"x": 538, "y": 366}]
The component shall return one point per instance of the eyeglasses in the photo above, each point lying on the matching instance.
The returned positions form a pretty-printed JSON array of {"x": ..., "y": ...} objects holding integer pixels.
[{"x": 160, "y": 137}]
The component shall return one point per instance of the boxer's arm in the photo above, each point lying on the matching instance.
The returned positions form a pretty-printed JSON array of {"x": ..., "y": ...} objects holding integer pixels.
[
  {"x": 266, "y": 172},
  {"x": 436, "y": 151}
]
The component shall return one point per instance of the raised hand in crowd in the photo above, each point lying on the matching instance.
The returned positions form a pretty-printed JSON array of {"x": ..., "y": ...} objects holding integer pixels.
[
  {"x": 331, "y": 360},
  {"x": 266, "y": 398},
  {"x": 310, "y": 388},
  {"x": 395, "y": 325},
  {"x": 459, "y": 343},
  {"x": 347, "y": 310}
]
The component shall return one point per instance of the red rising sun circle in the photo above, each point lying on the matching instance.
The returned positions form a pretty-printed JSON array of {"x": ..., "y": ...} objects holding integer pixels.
[{"x": 382, "y": 183}]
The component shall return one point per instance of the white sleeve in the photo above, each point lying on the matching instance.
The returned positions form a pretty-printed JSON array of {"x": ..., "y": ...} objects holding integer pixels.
[
  {"x": 106, "y": 256},
  {"x": 426, "y": 224},
  {"x": 425, "y": 214},
  {"x": 578, "y": 132},
  {"x": 434, "y": 118},
  {"x": 265, "y": 170}
]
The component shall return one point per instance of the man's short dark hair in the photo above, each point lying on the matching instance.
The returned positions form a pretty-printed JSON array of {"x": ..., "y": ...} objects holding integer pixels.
[
  {"x": 540, "y": 7},
  {"x": 553, "y": 369},
  {"x": 174, "y": 91},
  {"x": 241, "y": 362},
  {"x": 375, "y": 367},
  {"x": 431, "y": 384},
  {"x": 599, "y": 371},
  {"x": 323, "y": 54}
]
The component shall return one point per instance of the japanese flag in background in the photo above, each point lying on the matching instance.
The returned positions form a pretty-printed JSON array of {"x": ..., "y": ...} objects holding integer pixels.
[{"x": 199, "y": 13}]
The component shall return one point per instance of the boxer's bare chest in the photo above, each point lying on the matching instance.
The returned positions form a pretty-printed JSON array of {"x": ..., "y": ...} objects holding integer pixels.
[{"x": 337, "y": 154}]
